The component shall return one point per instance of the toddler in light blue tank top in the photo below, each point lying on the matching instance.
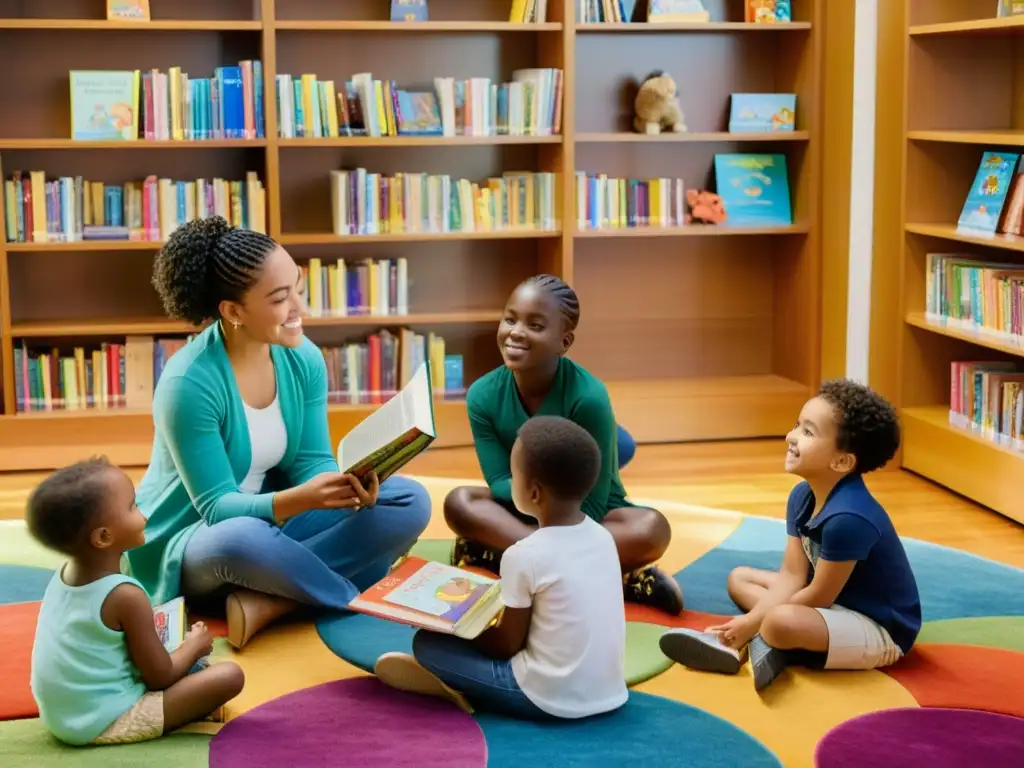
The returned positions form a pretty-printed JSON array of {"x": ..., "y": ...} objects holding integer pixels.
[{"x": 100, "y": 674}]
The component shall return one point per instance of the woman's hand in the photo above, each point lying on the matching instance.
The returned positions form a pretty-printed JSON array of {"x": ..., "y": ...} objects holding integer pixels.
[
  {"x": 328, "y": 490},
  {"x": 367, "y": 496}
]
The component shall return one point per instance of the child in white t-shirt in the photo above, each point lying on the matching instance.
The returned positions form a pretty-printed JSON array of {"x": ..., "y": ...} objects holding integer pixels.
[{"x": 558, "y": 649}]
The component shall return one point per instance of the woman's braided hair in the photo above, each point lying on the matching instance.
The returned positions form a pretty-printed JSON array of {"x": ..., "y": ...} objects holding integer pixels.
[
  {"x": 568, "y": 301},
  {"x": 205, "y": 262}
]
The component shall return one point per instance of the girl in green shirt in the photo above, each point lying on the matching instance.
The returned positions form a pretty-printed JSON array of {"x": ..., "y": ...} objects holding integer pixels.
[{"x": 537, "y": 379}]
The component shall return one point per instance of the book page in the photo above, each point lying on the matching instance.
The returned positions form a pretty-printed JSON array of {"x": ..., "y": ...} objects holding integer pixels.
[
  {"x": 438, "y": 590},
  {"x": 410, "y": 409}
]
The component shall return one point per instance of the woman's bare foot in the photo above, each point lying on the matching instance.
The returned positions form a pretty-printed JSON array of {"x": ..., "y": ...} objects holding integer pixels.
[{"x": 248, "y": 612}]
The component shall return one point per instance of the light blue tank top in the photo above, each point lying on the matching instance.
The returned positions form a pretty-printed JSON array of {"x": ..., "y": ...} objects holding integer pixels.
[{"x": 83, "y": 678}]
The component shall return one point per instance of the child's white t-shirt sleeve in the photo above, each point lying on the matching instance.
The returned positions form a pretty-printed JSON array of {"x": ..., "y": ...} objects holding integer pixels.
[{"x": 517, "y": 578}]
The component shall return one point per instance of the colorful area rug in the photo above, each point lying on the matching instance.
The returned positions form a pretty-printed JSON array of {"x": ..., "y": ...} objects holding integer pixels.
[{"x": 955, "y": 700}]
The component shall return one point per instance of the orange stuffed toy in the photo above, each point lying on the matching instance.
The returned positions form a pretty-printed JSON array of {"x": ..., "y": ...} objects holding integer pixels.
[{"x": 705, "y": 207}]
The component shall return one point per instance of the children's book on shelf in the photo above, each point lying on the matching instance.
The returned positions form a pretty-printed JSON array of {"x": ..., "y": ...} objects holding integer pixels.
[
  {"x": 754, "y": 189},
  {"x": 394, "y": 434},
  {"x": 409, "y": 10},
  {"x": 532, "y": 11},
  {"x": 377, "y": 288},
  {"x": 987, "y": 399},
  {"x": 762, "y": 112},
  {"x": 104, "y": 105},
  {"x": 984, "y": 205},
  {"x": 1010, "y": 8},
  {"x": 127, "y": 10},
  {"x": 677, "y": 12},
  {"x": 983, "y": 297},
  {"x": 767, "y": 11},
  {"x": 433, "y": 596},
  {"x": 171, "y": 622},
  {"x": 603, "y": 202}
]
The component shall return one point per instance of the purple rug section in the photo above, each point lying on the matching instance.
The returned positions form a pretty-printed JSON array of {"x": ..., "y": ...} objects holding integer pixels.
[
  {"x": 924, "y": 738},
  {"x": 358, "y": 721}
]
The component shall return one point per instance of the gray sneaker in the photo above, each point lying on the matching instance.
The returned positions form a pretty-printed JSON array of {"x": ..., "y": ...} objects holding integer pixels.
[{"x": 701, "y": 651}]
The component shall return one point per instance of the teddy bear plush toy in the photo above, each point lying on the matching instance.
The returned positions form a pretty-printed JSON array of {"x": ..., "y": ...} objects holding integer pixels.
[
  {"x": 657, "y": 107},
  {"x": 705, "y": 207}
]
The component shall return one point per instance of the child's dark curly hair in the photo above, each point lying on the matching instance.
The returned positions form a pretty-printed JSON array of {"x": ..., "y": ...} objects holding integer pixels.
[
  {"x": 561, "y": 456},
  {"x": 64, "y": 507},
  {"x": 868, "y": 426},
  {"x": 205, "y": 262}
]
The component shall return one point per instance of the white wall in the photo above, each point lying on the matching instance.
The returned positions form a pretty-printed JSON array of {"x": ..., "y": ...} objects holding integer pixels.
[{"x": 858, "y": 307}]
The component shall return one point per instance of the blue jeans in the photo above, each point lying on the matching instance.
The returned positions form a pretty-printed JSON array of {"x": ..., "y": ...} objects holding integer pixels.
[
  {"x": 324, "y": 557},
  {"x": 627, "y": 447},
  {"x": 488, "y": 684}
]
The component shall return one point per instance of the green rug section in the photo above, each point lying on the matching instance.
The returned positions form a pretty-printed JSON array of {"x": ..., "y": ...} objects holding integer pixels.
[
  {"x": 27, "y": 744},
  {"x": 1006, "y": 632},
  {"x": 644, "y": 658},
  {"x": 17, "y": 547},
  {"x": 435, "y": 550}
]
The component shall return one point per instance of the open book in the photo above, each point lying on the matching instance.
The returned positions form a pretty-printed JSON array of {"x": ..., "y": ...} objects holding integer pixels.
[
  {"x": 433, "y": 596},
  {"x": 391, "y": 436},
  {"x": 171, "y": 622}
]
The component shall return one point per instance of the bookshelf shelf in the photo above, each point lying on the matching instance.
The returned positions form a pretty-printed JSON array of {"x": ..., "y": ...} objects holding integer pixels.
[
  {"x": 683, "y": 138},
  {"x": 693, "y": 333},
  {"x": 423, "y": 27},
  {"x": 713, "y": 26},
  {"x": 692, "y": 230},
  {"x": 931, "y": 367}
]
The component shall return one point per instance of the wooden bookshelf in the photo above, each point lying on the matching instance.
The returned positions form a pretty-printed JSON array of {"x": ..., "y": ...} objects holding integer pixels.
[
  {"x": 949, "y": 118},
  {"x": 701, "y": 332}
]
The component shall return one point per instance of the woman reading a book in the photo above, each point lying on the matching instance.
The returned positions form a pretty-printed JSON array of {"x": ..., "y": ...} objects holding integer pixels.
[
  {"x": 246, "y": 506},
  {"x": 538, "y": 380}
]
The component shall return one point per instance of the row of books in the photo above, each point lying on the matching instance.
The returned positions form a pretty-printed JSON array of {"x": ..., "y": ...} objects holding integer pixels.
[
  {"x": 603, "y": 202},
  {"x": 987, "y": 399},
  {"x": 983, "y": 297},
  {"x": 372, "y": 287},
  {"x": 675, "y": 11},
  {"x": 128, "y": 105},
  {"x": 529, "y": 105},
  {"x": 123, "y": 375},
  {"x": 364, "y": 203},
  {"x": 72, "y": 209},
  {"x": 529, "y": 11}
]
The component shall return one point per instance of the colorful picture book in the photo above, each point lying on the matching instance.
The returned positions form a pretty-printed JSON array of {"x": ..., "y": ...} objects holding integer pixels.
[
  {"x": 984, "y": 205},
  {"x": 409, "y": 10},
  {"x": 677, "y": 12},
  {"x": 104, "y": 105},
  {"x": 768, "y": 11},
  {"x": 394, "y": 434},
  {"x": 754, "y": 189},
  {"x": 433, "y": 596},
  {"x": 171, "y": 623},
  {"x": 127, "y": 10},
  {"x": 762, "y": 112}
]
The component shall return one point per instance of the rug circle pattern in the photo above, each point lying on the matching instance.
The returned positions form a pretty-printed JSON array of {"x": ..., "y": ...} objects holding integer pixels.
[
  {"x": 924, "y": 738},
  {"x": 351, "y": 722},
  {"x": 973, "y": 610}
]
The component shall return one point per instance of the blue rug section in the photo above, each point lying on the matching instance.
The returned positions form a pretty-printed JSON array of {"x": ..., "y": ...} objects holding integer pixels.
[
  {"x": 361, "y": 640},
  {"x": 953, "y": 584},
  {"x": 22, "y": 583},
  {"x": 647, "y": 730}
]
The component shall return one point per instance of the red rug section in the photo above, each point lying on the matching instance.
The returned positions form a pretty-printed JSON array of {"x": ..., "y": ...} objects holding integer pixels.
[
  {"x": 17, "y": 630},
  {"x": 688, "y": 619},
  {"x": 963, "y": 677}
]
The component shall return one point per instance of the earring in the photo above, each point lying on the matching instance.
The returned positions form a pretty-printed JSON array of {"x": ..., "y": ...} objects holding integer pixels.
[{"x": 235, "y": 324}]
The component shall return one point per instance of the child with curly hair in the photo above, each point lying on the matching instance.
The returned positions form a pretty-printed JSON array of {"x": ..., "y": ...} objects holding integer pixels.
[
  {"x": 100, "y": 674},
  {"x": 845, "y": 597}
]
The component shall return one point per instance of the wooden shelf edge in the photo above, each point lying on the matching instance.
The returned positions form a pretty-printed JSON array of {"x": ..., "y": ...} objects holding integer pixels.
[
  {"x": 710, "y": 26},
  {"x": 326, "y": 238},
  {"x": 920, "y": 320},
  {"x": 145, "y": 144},
  {"x": 984, "y": 472},
  {"x": 163, "y": 25},
  {"x": 414, "y": 27},
  {"x": 1008, "y": 23},
  {"x": 686, "y": 137},
  {"x": 87, "y": 245},
  {"x": 951, "y": 232},
  {"x": 1000, "y": 137},
  {"x": 692, "y": 230},
  {"x": 415, "y": 141}
]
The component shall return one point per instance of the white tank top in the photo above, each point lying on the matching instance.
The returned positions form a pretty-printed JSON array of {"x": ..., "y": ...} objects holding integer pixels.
[{"x": 269, "y": 440}]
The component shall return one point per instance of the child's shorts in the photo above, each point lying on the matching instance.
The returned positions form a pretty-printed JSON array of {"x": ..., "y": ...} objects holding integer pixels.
[
  {"x": 857, "y": 642},
  {"x": 144, "y": 721}
]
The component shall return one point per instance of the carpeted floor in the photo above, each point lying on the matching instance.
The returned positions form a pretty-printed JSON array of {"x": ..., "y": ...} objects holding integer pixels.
[{"x": 954, "y": 701}]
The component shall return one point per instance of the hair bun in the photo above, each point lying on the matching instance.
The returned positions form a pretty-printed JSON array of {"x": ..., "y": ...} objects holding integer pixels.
[{"x": 181, "y": 270}]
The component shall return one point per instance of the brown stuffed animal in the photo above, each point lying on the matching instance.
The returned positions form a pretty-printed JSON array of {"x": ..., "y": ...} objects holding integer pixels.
[
  {"x": 657, "y": 107},
  {"x": 705, "y": 207}
]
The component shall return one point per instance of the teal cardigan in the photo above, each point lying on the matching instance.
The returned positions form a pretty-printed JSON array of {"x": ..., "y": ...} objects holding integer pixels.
[{"x": 201, "y": 450}]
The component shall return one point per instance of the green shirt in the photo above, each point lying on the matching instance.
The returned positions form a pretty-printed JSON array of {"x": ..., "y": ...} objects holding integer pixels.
[
  {"x": 201, "y": 450},
  {"x": 82, "y": 676},
  {"x": 496, "y": 413}
]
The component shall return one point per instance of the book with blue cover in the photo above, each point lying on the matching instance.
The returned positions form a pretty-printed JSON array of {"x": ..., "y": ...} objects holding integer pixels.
[
  {"x": 984, "y": 204},
  {"x": 762, "y": 112},
  {"x": 754, "y": 189},
  {"x": 408, "y": 10}
]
